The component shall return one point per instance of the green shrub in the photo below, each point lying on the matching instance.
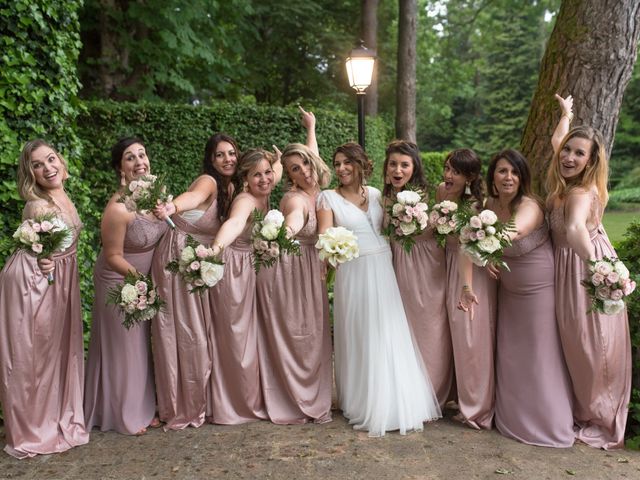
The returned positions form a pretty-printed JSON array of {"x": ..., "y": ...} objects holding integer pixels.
[{"x": 625, "y": 195}]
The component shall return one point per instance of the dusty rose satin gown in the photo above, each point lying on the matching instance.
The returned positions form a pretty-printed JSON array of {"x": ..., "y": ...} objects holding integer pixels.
[
  {"x": 181, "y": 360},
  {"x": 421, "y": 275},
  {"x": 533, "y": 390},
  {"x": 41, "y": 354},
  {"x": 235, "y": 395},
  {"x": 473, "y": 342},
  {"x": 294, "y": 333},
  {"x": 596, "y": 346},
  {"x": 119, "y": 389}
]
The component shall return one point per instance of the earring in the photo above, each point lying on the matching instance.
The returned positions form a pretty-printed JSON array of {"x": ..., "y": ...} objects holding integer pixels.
[
  {"x": 245, "y": 187},
  {"x": 123, "y": 181},
  {"x": 467, "y": 189}
]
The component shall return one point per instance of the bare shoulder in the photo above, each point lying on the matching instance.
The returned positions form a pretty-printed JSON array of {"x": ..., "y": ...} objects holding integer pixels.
[{"x": 33, "y": 208}]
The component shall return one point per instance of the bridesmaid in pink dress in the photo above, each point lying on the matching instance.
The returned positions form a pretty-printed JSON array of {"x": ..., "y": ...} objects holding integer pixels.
[
  {"x": 596, "y": 346},
  {"x": 119, "y": 389},
  {"x": 420, "y": 273},
  {"x": 294, "y": 333},
  {"x": 533, "y": 390},
  {"x": 236, "y": 395},
  {"x": 41, "y": 346},
  {"x": 473, "y": 331},
  {"x": 179, "y": 333}
]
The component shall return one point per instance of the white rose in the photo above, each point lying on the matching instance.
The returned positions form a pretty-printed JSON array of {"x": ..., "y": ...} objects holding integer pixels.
[
  {"x": 129, "y": 293},
  {"x": 25, "y": 234},
  {"x": 187, "y": 255},
  {"x": 449, "y": 205},
  {"x": 489, "y": 244},
  {"x": 397, "y": 209},
  {"x": 444, "y": 229},
  {"x": 270, "y": 231},
  {"x": 611, "y": 307},
  {"x": 211, "y": 273},
  {"x": 407, "y": 197},
  {"x": 490, "y": 230},
  {"x": 407, "y": 228},
  {"x": 275, "y": 217},
  {"x": 475, "y": 222},
  {"x": 488, "y": 217},
  {"x": 621, "y": 270}
]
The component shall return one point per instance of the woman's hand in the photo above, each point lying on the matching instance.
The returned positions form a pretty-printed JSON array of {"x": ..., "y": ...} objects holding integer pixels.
[
  {"x": 164, "y": 210},
  {"x": 308, "y": 119},
  {"x": 566, "y": 105},
  {"x": 494, "y": 272},
  {"x": 46, "y": 266},
  {"x": 467, "y": 299}
]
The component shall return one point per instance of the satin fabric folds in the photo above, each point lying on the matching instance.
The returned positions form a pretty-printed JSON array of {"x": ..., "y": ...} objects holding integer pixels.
[
  {"x": 181, "y": 359},
  {"x": 119, "y": 389},
  {"x": 597, "y": 347}
]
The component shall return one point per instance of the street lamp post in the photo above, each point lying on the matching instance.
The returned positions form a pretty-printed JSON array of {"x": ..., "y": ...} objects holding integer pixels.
[{"x": 360, "y": 71}]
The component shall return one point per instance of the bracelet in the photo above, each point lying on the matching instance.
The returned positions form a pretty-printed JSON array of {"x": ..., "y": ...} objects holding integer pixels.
[
  {"x": 220, "y": 246},
  {"x": 175, "y": 205},
  {"x": 466, "y": 288},
  {"x": 569, "y": 115}
]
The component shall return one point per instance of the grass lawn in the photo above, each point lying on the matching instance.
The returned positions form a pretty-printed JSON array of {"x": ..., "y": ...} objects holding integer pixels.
[{"x": 616, "y": 223}]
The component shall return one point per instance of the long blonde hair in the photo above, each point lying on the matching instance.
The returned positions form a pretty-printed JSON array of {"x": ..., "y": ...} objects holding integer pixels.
[
  {"x": 595, "y": 173},
  {"x": 318, "y": 168},
  {"x": 28, "y": 188}
]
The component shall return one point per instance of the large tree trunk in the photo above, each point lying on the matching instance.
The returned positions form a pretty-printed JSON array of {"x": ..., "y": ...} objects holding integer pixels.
[
  {"x": 369, "y": 30},
  {"x": 406, "y": 81},
  {"x": 590, "y": 55}
]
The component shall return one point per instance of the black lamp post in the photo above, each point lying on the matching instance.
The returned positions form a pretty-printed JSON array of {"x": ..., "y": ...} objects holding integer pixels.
[{"x": 360, "y": 71}]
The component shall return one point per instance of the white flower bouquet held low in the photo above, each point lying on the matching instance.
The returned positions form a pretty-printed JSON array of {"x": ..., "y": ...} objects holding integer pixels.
[
  {"x": 43, "y": 236},
  {"x": 137, "y": 298},
  {"x": 483, "y": 237},
  {"x": 270, "y": 240},
  {"x": 144, "y": 193},
  {"x": 608, "y": 284},
  {"x": 337, "y": 245},
  {"x": 198, "y": 267},
  {"x": 407, "y": 218},
  {"x": 444, "y": 221}
]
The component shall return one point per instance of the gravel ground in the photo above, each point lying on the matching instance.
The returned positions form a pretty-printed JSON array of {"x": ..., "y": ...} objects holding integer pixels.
[{"x": 445, "y": 450}]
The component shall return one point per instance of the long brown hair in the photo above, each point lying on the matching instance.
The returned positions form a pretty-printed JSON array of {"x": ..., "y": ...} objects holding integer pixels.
[{"x": 411, "y": 150}]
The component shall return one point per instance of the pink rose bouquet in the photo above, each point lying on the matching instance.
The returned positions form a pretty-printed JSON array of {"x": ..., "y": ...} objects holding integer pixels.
[
  {"x": 608, "y": 284},
  {"x": 444, "y": 220},
  {"x": 270, "y": 240},
  {"x": 483, "y": 237},
  {"x": 144, "y": 193},
  {"x": 137, "y": 298},
  {"x": 408, "y": 218},
  {"x": 198, "y": 267}
]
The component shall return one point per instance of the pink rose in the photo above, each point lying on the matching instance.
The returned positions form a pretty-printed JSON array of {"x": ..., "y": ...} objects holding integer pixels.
[
  {"x": 617, "y": 294},
  {"x": 444, "y": 211},
  {"x": 597, "y": 279},
  {"x": 198, "y": 282},
  {"x": 142, "y": 302},
  {"x": 629, "y": 287},
  {"x": 473, "y": 235},
  {"x": 480, "y": 234},
  {"x": 613, "y": 277},
  {"x": 36, "y": 227},
  {"x": 201, "y": 251},
  {"x": 274, "y": 250},
  {"x": 603, "y": 293},
  {"x": 433, "y": 216},
  {"x": 441, "y": 221},
  {"x": 603, "y": 268},
  {"x": 194, "y": 266},
  {"x": 141, "y": 287},
  {"x": 475, "y": 222},
  {"x": 46, "y": 226},
  {"x": 152, "y": 296},
  {"x": 37, "y": 247}
]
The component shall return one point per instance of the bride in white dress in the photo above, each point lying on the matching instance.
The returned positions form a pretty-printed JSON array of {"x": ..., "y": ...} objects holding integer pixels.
[{"x": 381, "y": 381}]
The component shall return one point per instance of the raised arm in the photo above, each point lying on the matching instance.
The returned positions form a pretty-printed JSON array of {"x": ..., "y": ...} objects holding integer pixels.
[
  {"x": 325, "y": 219},
  {"x": 564, "y": 124},
  {"x": 241, "y": 210},
  {"x": 308, "y": 120},
  {"x": 203, "y": 188}
]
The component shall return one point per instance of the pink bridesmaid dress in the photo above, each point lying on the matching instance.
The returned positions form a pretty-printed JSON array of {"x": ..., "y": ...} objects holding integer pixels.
[
  {"x": 42, "y": 354},
  {"x": 420, "y": 275},
  {"x": 473, "y": 342},
  {"x": 597, "y": 347},
  {"x": 294, "y": 337},
  {"x": 182, "y": 364},
  {"x": 235, "y": 395},
  {"x": 533, "y": 390},
  {"x": 119, "y": 389}
]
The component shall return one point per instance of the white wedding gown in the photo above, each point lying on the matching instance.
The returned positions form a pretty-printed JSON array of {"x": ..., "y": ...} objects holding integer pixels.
[{"x": 381, "y": 381}]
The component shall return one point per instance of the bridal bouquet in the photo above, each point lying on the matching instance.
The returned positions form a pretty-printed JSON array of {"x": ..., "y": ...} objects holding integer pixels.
[
  {"x": 144, "y": 193},
  {"x": 408, "y": 218},
  {"x": 608, "y": 284},
  {"x": 337, "y": 245},
  {"x": 443, "y": 219},
  {"x": 44, "y": 235},
  {"x": 483, "y": 237},
  {"x": 269, "y": 239},
  {"x": 137, "y": 298},
  {"x": 198, "y": 267}
]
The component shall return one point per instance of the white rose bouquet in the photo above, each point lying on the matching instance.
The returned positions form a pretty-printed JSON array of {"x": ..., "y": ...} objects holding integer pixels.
[
  {"x": 408, "y": 218},
  {"x": 444, "y": 220},
  {"x": 337, "y": 245},
  {"x": 198, "y": 267},
  {"x": 270, "y": 240},
  {"x": 137, "y": 298},
  {"x": 144, "y": 193},
  {"x": 43, "y": 236},
  {"x": 483, "y": 237},
  {"x": 608, "y": 284}
]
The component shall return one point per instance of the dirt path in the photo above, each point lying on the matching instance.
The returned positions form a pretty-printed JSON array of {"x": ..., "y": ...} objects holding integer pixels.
[{"x": 445, "y": 450}]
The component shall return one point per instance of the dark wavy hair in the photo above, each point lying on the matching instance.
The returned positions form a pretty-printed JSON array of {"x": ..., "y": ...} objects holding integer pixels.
[
  {"x": 222, "y": 182},
  {"x": 118, "y": 150},
  {"x": 521, "y": 166},
  {"x": 467, "y": 162},
  {"x": 409, "y": 149}
]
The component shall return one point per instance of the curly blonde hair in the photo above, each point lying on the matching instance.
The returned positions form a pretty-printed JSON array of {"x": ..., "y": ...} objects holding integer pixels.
[
  {"x": 595, "y": 173},
  {"x": 319, "y": 169},
  {"x": 28, "y": 187}
]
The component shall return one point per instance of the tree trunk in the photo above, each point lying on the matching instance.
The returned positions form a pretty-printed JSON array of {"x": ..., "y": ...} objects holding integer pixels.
[
  {"x": 369, "y": 31},
  {"x": 406, "y": 81},
  {"x": 590, "y": 55}
]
